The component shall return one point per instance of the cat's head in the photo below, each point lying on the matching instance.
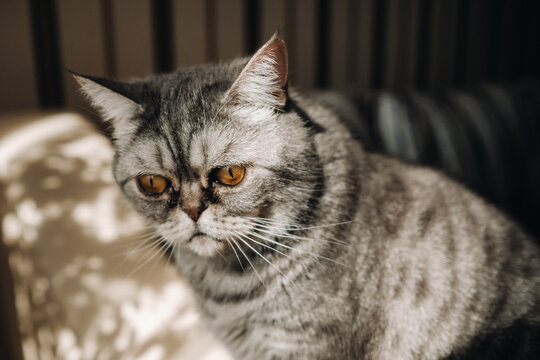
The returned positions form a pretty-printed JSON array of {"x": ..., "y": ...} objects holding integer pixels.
[{"x": 206, "y": 153}]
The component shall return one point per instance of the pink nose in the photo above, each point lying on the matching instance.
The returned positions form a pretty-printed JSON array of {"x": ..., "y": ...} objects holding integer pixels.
[{"x": 194, "y": 213}]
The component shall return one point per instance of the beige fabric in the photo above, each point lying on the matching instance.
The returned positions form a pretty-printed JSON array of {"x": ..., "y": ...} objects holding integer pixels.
[{"x": 88, "y": 282}]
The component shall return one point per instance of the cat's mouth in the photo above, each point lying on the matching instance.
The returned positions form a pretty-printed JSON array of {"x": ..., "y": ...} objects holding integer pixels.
[
  {"x": 200, "y": 233},
  {"x": 204, "y": 244}
]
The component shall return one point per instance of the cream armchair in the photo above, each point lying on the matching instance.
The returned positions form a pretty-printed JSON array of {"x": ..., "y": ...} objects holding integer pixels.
[{"x": 88, "y": 278}]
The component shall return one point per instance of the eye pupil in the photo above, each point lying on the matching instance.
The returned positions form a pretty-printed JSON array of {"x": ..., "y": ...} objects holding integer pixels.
[
  {"x": 230, "y": 175},
  {"x": 152, "y": 184}
]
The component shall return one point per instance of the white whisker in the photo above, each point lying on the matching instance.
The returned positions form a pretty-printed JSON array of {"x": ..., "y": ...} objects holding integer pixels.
[
  {"x": 295, "y": 249},
  {"x": 161, "y": 251},
  {"x": 131, "y": 242},
  {"x": 269, "y": 247},
  {"x": 261, "y": 255},
  {"x": 255, "y": 270},
  {"x": 221, "y": 254},
  {"x": 120, "y": 243},
  {"x": 236, "y": 254},
  {"x": 323, "y": 226},
  {"x": 295, "y": 227},
  {"x": 270, "y": 221},
  {"x": 169, "y": 261},
  {"x": 145, "y": 244},
  {"x": 296, "y": 237},
  {"x": 156, "y": 246},
  {"x": 169, "y": 258}
]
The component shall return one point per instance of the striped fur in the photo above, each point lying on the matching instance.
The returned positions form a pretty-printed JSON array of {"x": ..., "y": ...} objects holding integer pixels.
[{"x": 323, "y": 251}]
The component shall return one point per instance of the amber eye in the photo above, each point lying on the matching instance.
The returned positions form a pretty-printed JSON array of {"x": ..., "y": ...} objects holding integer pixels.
[
  {"x": 230, "y": 175},
  {"x": 153, "y": 184}
]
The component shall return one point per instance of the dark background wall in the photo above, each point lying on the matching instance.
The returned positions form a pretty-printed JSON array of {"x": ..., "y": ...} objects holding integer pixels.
[{"x": 369, "y": 44}]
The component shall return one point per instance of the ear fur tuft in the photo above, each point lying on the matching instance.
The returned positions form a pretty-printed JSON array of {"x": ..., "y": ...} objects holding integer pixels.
[
  {"x": 114, "y": 107},
  {"x": 263, "y": 81}
]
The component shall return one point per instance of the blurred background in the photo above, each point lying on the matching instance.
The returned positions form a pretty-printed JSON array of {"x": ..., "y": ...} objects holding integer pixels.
[
  {"x": 370, "y": 44},
  {"x": 452, "y": 84}
]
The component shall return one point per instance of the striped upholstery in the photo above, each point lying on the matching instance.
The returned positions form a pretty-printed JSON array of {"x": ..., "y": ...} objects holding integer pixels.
[{"x": 487, "y": 137}]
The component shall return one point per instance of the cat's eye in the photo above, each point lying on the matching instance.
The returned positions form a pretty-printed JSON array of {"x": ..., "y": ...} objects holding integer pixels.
[
  {"x": 153, "y": 184},
  {"x": 230, "y": 175}
]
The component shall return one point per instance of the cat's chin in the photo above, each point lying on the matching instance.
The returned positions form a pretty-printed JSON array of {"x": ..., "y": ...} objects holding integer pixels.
[{"x": 204, "y": 245}]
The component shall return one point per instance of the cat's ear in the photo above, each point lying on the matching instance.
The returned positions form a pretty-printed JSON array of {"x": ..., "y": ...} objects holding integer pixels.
[
  {"x": 263, "y": 81},
  {"x": 117, "y": 102}
]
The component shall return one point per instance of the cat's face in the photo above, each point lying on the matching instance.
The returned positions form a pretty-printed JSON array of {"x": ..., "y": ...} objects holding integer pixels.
[{"x": 208, "y": 152}]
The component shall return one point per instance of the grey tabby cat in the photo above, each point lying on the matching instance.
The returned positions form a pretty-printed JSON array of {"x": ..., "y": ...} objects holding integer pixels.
[{"x": 300, "y": 245}]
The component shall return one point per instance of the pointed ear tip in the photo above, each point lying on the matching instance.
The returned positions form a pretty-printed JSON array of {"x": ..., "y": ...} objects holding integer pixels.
[
  {"x": 277, "y": 44},
  {"x": 75, "y": 74},
  {"x": 275, "y": 35},
  {"x": 276, "y": 38},
  {"x": 81, "y": 80}
]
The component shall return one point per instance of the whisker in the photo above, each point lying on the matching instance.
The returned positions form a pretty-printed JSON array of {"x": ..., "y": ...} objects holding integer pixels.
[
  {"x": 323, "y": 226},
  {"x": 169, "y": 259},
  {"x": 261, "y": 255},
  {"x": 236, "y": 254},
  {"x": 155, "y": 251},
  {"x": 295, "y": 227},
  {"x": 269, "y": 247},
  {"x": 255, "y": 270},
  {"x": 145, "y": 244},
  {"x": 221, "y": 254},
  {"x": 142, "y": 228},
  {"x": 126, "y": 254},
  {"x": 296, "y": 237},
  {"x": 161, "y": 251},
  {"x": 119, "y": 243},
  {"x": 130, "y": 243},
  {"x": 299, "y": 250},
  {"x": 272, "y": 226},
  {"x": 291, "y": 227},
  {"x": 270, "y": 221},
  {"x": 154, "y": 243},
  {"x": 147, "y": 260}
]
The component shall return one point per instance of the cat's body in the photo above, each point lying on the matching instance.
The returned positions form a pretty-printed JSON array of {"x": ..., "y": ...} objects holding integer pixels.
[
  {"x": 321, "y": 251},
  {"x": 427, "y": 266}
]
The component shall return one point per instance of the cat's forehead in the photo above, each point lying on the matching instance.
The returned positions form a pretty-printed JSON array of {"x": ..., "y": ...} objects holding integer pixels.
[
  {"x": 197, "y": 89},
  {"x": 191, "y": 104},
  {"x": 198, "y": 145},
  {"x": 193, "y": 129},
  {"x": 197, "y": 140}
]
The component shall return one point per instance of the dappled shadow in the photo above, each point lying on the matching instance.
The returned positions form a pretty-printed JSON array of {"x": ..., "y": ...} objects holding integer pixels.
[{"x": 88, "y": 282}]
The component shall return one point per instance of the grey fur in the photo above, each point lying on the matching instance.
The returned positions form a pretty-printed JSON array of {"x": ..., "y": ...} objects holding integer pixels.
[{"x": 364, "y": 256}]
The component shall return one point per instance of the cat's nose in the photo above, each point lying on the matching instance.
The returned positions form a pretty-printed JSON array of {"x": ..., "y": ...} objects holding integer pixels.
[{"x": 194, "y": 213}]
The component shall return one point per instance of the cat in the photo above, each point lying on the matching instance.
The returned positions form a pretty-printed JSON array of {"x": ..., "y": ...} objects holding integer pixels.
[{"x": 297, "y": 243}]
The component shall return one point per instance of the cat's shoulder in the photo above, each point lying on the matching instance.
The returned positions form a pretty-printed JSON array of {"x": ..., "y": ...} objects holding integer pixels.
[
  {"x": 425, "y": 187},
  {"x": 416, "y": 176}
]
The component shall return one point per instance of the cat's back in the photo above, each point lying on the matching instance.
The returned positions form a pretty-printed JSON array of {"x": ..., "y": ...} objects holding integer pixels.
[{"x": 448, "y": 270}]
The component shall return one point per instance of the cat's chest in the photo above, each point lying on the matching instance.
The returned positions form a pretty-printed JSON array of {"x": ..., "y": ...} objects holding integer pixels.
[
  {"x": 231, "y": 310},
  {"x": 250, "y": 327}
]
